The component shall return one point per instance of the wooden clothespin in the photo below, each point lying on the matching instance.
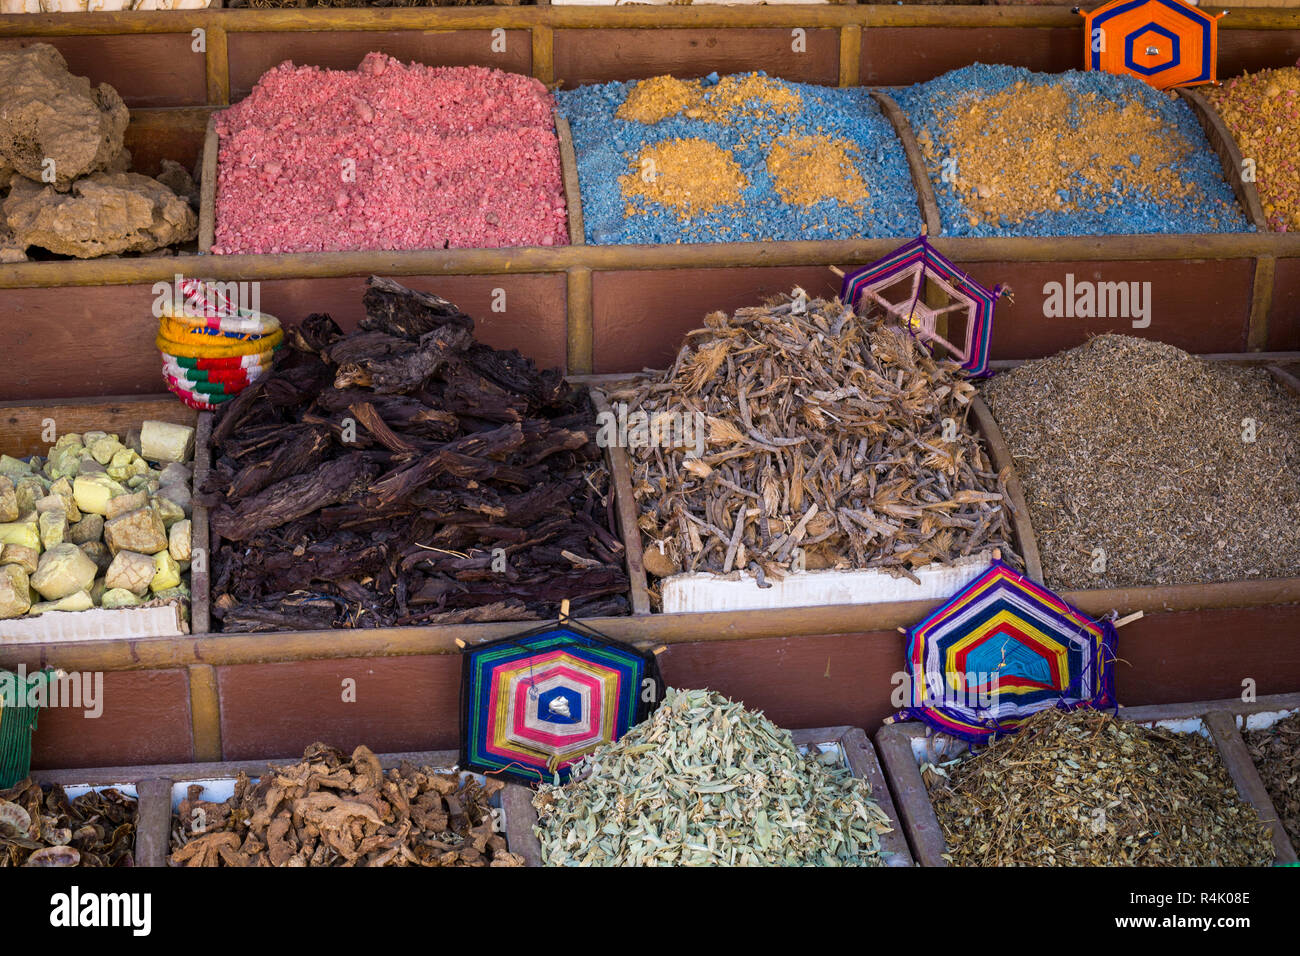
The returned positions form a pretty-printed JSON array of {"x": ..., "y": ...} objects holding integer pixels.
[
  {"x": 460, "y": 643},
  {"x": 838, "y": 272},
  {"x": 1129, "y": 619}
]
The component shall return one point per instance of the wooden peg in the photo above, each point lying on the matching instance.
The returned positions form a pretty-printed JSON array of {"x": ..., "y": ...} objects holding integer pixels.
[{"x": 1129, "y": 619}]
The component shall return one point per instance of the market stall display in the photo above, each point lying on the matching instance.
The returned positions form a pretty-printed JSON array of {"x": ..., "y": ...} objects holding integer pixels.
[
  {"x": 1144, "y": 465},
  {"x": 100, "y": 522},
  {"x": 407, "y": 474},
  {"x": 388, "y": 156},
  {"x": 1011, "y": 152},
  {"x": 336, "y": 809},
  {"x": 1262, "y": 110},
  {"x": 804, "y": 437},
  {"x": 738, "y": 158},
  {"x": 40, "y": 827},
  {"x": 65, "y": 185},
  {"x": 706, "y": 782}
]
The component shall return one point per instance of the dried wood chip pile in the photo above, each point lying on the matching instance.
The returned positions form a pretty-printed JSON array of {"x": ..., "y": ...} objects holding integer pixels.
[
  {"x": 405, "y": 474},
  {"x": 44, "y": 828},
  {"x": 706, "y": 782},
  {"x": 1083, "y": 788},
  {"x": 826, "y": 432},
  {"x": 1144, "y": 465},
  {"x": 1276, "y": 752},
  {"x": 334, "y": 810}
]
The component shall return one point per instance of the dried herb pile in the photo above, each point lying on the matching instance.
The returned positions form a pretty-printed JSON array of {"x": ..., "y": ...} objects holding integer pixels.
[
  {"x": 825, "y": 432},
  {"x": 334, "y": 810},
  {"x": 42, "y": 827},
  {"x": 1276, "y": 752},
  {"x": 1082, "y": 788},
  {"x": 370, "y": 478},
  {"x": 705, "y": 782},
  {"x": 1137, "y": 470}
]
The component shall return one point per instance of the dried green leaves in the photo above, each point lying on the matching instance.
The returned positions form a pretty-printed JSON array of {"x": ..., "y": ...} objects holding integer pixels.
[{"x": 707, "y": 782}]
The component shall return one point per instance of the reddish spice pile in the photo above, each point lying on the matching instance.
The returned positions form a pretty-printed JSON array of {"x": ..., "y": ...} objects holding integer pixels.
[{"x": 389, "y": 156}]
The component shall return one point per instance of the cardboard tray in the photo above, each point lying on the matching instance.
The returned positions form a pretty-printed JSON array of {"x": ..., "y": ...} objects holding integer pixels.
[{"x": 1222, "y": 719}]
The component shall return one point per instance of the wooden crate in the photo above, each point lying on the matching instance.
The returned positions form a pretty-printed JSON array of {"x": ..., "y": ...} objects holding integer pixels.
[
  {"x": 1219, "y": 717},
  {"x": 852, "y": 742},
  {"x": 21, "y": 428}
]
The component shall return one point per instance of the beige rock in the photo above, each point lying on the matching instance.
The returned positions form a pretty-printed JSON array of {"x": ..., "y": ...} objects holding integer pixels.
[
  {"x": 140, "y": 530},
  {"x": 171, "y": 512},
  {"x": 10, "y": 250},
  {"x": 46, "y": 112},
  {"x": 54, "y": 527},
  {"x": 63, "y": 570},
  {"x": 131, "y": 571},
  {"x": 166, "y": 441},
  {"x": 63, "y": 488},
  {"x": 178, "y": 540},
  {"x": 118, "y": 597},
  {"x": 8, "y": 499},
  {"x": 93, "y": 492},
  {"x": 25, "y": 531},
  {"x": 15, "y": 595},
  {"x": 29, "y": 490},
  {"x": 26, "y": 558},
  {"x": 89, "y": 528},
  {"x": 104, "y": 214}
]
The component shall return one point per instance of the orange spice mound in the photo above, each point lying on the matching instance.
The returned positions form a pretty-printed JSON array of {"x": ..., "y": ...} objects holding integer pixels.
[
  {"x": 809, "y": 169},
  {"x": 1017, "y": 149},
  {"x": 659, "y": 98},
  {"x": 689, "y": 176}
]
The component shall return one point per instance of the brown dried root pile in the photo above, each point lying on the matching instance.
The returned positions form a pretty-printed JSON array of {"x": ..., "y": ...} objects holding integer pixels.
[
  {"x": 1083, "y": 788},
  {"x": 44, "y": 828},
  {"x": 1144, "y": 465},
  {"x": 332, "y": 810},
  {"x": 1276, "y": 752},
  {"x": 826, "y": 432}
]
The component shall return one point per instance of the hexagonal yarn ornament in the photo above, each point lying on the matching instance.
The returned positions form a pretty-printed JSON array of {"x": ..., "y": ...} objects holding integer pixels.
[
  {"x": 1001, "y": 649},
  {"x": 534, "y": 704},
  {"x": 923, "y": 292},
  {"x": 1167, "y": 43}
]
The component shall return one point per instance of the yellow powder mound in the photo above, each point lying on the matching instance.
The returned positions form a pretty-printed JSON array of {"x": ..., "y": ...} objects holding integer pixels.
[
  {"x": 662, "y": 97},
  {"x": 808, "y": 169},
  {"x": 689, "y": 176},
  {"x": 1016, "y": 149},
  {"x": 734, "y": 94},
  {"x": 658, "y": 98}
]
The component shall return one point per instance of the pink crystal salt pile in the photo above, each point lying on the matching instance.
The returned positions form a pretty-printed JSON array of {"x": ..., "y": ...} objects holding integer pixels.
[{"x": 390, "y": 157}]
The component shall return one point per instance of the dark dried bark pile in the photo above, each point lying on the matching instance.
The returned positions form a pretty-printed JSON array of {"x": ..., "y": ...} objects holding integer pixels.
[{"x": 456, "y": 450}]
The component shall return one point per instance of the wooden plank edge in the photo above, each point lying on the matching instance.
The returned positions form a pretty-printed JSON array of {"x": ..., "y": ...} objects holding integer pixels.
[
  {"x": 572, "y": 189},
  {"x": 153, "y": 823},
  {"x": 543, "y": 53},
  {"x": 208, "y": 189},
  {"x": 521, "y": 818},
  {"x": 1232, "y": 748},
  {"x": 925, "y": 197},
  {"x": 216, "y": 65},
  {"x": 850, "y": 55},
  {"x": 201, "y": 577},
  {"x": 579, "y": 331},
  {"x": 580, "y": 17},
  {"x": 1225, "y": 147},
  {"x": 621, "y": 478},
  {"x": 1284, "y": 378},
  {"x": 1001, "y": 455},
  {"x": 205, "y": 712},
  {"x": 864, "y": 763},
  {"x": 553, "y": 259},
  {"x": 920, "y": 824}
]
